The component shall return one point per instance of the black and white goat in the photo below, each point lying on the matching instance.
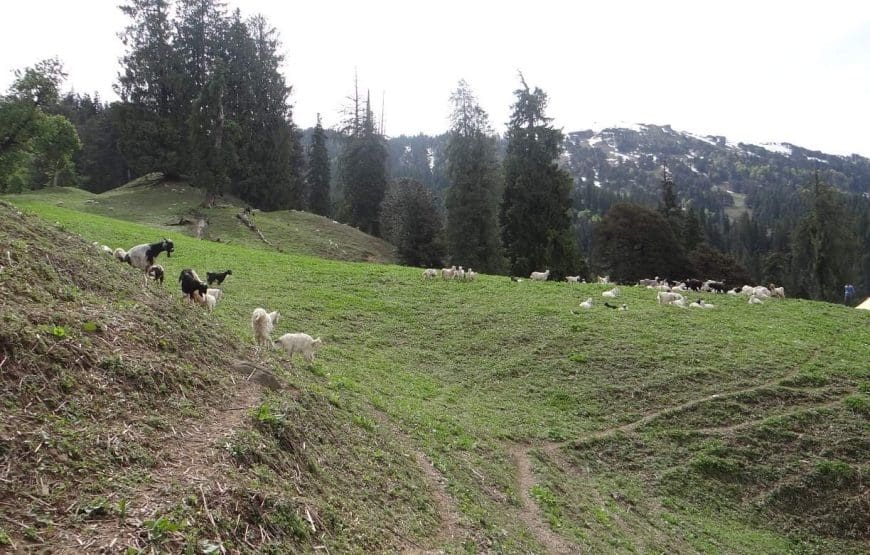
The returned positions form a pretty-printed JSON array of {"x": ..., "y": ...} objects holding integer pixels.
[
  {"x": 219, "y": 277},
  {"x": 191, "y": 285},
  {"x": 142, "y": 256}
]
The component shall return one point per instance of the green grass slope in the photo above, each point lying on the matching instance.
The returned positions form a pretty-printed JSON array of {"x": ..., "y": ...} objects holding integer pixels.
[
  {"x": 162, "y": 204},
  {"x": 548, "y": 428}
]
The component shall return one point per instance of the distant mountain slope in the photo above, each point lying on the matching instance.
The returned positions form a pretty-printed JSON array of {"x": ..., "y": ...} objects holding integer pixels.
[{"x": 705, "y": 168}]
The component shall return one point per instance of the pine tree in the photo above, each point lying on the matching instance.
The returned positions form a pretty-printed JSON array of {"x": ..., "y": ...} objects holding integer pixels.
[
  {"x": 410, "y": 221},
  {"x": 318, "y": 172},
  {"x": 363, "y": 169},
  {"x": 472, "y": 199},
  {"x": 824, "y": 245},
  {"x": 535, "y": 208},
  {"x": 151, "y": 117}
]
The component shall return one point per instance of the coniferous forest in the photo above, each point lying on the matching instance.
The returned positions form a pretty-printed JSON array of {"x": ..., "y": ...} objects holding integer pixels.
[{"x": 202, "y": 99}]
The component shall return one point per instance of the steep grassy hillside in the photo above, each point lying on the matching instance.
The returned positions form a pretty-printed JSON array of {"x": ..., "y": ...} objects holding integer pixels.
[
  {"x": 129, "y": 418},
  {"x": 163, "y": 204},
  {"x": 532, "y": 425}
]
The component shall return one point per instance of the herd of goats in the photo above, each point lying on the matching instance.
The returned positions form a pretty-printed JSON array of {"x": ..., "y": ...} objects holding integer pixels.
[{"x": 198, "y": 291}]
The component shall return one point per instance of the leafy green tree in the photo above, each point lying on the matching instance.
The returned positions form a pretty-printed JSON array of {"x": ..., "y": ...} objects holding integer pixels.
[
  {"x": 535, "y": 211},
  {"x": 709, "y": 263},
  {"x": 36, "y": 147},
  {"x": 318, "y": 172},
  {"x": 633, "y": 242},
  {"x": 363, "y": 169},
  {"x": 410, "y": 221},
  {"x": 472, "y": 199},
  {"x": 824, "y": 244}
]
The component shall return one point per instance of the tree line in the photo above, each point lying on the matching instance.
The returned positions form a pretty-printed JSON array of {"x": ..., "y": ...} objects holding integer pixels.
[{"x": 202, "y": 98}]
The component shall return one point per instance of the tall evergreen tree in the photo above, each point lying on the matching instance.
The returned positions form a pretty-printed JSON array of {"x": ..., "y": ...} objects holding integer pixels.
[
  {"x": 363, "y": 169},
  {"x": 824, "y": 244},
  {"x": 472, "y": 199},
  {"x": 151, "y": 117},
  {"x": 318, "y": 172},
  {"x": 410, "y": 221},
  {"x": 535, "y": 211}
]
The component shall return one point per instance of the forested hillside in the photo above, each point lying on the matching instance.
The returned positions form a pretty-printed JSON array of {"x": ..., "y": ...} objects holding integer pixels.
[{"x": 202, "y": 99}]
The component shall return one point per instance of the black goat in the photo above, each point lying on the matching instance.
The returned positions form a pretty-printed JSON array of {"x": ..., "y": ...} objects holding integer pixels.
[
  {"x": 191, "y": 284},
  {"x": 219, "y": 277},
  {"x": 694, "y": 284}
]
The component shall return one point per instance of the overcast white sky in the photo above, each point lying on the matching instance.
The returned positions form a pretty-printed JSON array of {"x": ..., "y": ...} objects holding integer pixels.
[{"x": 754, "y": 71}]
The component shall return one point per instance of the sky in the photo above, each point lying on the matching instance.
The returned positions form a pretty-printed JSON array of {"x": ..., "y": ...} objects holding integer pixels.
[{"x": 772, "y": 71}]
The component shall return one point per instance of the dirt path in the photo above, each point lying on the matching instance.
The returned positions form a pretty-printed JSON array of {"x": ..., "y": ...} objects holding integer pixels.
[
  {"x": 451, "y": 528},
  {"x": 631, "y": 426},
  {"x": 531, "y": 515},
  {"x": 192, "y": 457}
]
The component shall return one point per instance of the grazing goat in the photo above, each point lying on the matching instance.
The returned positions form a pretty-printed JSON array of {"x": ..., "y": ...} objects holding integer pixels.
[
  {"x": 693, "y": 284},
  {"x": 156, "y": 273},
  {"x": 540, "y": 276},
  {"x": 142, "y": 256},
  {"x": 208, "y": 300},
  {"x": 106, "y": 249},
  {"x": 448, "y": 273},
  {"x": 263, "y": 323},
  {"x": 777, "y": 291},
  {"x": 219, "y": 277},
  {"x": 120, "y": 254},
  {"x": 216, "y": 293},
  {"x": 516, "y": 279},
  {"x": 587, "y": 303},
  {"x": 300, "y": 343},
  {"x": 191, "y": 285},
  {"x": 572, "y": 279},
  {"x": 430, "y": 273},
  {"x": 612, "y": 294}
]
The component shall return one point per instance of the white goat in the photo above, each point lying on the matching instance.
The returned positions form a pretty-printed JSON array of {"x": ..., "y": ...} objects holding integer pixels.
[
  {"x": 263, "y": 323},
  {"x": 430, "y": 273},
  {"x": 587, "y": 303},
  {"x": 540, "y": 276},
  {"x": 448, "y": 273},
  {"x": 701, "y": 304},
  {"x": 300, "y": 343},
  {"x": 612, "y": 294},
  {"x": 120, "y": 254},
  {"x": 572, "y": 279},
  {"x": 216, "y": 293},
  {"x": 755, "y": 300},
  {"x": 778, "y": 292},
  {"x": 665, "y": 297},
  {"x": 470, "y": 275}
]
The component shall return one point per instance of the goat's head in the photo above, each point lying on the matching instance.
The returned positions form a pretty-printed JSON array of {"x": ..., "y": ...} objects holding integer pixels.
[{"x": 168, "y": 246}]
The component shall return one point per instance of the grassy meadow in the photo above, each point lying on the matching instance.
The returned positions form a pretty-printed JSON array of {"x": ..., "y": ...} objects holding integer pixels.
[{"x": 654, "y": 430}]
